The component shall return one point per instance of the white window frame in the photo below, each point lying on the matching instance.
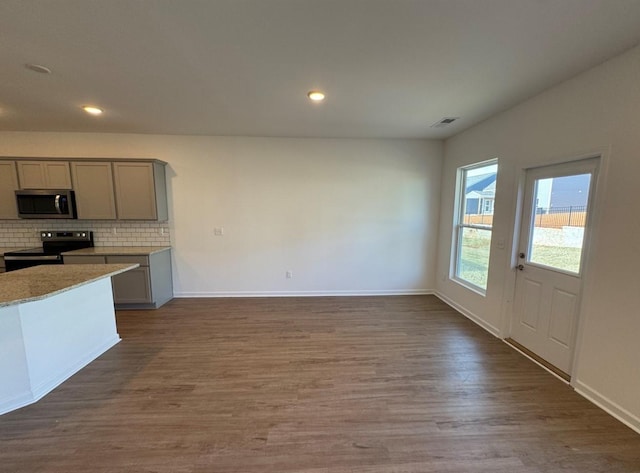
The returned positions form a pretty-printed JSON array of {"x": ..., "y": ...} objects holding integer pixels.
[{"x": 459, "y": 225}]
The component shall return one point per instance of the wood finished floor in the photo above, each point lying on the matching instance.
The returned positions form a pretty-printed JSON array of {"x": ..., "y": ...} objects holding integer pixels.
[{"x": 312, "y": 385}]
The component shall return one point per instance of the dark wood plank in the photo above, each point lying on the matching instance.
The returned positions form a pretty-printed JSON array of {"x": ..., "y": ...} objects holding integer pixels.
[{"x": 312, "y": 385}]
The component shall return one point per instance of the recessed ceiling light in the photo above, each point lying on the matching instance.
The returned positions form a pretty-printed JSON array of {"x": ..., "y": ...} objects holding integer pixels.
[
  {"x": 92, "y": 110},
  {"x": 316, "y": 95},
  {"x": 38, "y": 68}
]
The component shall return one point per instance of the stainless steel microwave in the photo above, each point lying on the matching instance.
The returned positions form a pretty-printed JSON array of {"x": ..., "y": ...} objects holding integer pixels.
[{"x": 46, "y": 203}]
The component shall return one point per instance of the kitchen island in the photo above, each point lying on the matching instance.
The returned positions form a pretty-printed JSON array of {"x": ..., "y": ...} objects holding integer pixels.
[{"x": 54, "y": 320}]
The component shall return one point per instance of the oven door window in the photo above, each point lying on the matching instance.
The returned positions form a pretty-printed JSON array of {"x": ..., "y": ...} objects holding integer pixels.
[{"x": 13, "y": 265}]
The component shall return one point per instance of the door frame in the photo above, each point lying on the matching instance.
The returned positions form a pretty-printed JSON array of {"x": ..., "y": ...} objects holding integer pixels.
[{"x": 590, "y": 238}]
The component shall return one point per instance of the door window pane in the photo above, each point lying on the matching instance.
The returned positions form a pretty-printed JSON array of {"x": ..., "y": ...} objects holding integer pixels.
[{"x": 559, "y": 217}]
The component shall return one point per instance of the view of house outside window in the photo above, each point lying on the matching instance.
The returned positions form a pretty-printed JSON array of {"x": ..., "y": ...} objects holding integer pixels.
[{"x": 476, "y": 191}]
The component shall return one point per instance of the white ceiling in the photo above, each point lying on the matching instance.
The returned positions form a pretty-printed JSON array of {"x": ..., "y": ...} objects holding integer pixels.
[{"x": 390, "y": 68}]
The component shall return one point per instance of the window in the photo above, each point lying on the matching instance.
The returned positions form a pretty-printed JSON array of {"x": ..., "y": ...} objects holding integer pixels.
[
  {"x": 556, "y": 236},
  {"x": 473, "y": 223},
  {"x": 487, "y": 206}
]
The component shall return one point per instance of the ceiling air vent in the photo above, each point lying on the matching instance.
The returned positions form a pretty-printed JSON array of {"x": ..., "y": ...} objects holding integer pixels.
[{"x": 444, "y": 122}]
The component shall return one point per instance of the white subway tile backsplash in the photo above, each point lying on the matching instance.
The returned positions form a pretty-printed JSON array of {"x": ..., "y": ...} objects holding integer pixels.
[{"x": 23, "y": 234}]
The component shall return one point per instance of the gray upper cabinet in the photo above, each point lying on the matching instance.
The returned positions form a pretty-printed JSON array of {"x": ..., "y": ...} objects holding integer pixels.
[
  {"x": 44, "y": 175},
  {"x": 8, "y": 186},
  {"x": 140, "y": 190},
  {"x": 93, "y": 185},
  {"x": 115, "y": 189}
]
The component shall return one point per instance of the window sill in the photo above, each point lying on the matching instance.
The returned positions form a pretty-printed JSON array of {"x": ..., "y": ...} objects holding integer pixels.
[{"x": 469, "y": 286}]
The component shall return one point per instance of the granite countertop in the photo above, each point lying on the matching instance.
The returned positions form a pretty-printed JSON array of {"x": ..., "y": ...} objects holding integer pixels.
[
  {"x": 118, "y": 251},
  {"x": 40, "y": 282}
]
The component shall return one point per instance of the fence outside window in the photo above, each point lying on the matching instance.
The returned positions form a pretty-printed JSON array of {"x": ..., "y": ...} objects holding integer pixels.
[
  {"x": 558, "y": 217},
  {"x": 550, "y": 217}
]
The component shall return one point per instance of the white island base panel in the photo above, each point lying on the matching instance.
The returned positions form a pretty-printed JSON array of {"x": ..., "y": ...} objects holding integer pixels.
[{"x": 45, "y": 342}]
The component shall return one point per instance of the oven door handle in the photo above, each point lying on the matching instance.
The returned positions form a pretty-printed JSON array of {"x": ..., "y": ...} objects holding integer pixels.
[
  {"x": 32, "y": 258},
  {"x": 57, "y": 203}
]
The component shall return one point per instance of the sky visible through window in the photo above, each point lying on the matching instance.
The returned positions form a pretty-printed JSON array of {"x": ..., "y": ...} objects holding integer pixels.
[{"x": 482, "y": 170}]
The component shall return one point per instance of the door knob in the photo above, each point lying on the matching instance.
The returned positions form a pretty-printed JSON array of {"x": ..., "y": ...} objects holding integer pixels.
[{"x": 520, "y": 267}]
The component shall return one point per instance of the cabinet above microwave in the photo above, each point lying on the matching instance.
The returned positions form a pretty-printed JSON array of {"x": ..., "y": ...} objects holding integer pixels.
[{"x": 44, "y": 175}]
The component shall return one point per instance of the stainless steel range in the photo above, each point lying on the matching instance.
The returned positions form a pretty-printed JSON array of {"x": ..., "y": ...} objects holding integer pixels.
[{"x": 54, "y": 243}]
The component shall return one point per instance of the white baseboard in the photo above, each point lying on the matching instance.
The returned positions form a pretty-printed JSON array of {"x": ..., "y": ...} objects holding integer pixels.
[
  {"x": 50, "y": 384},
  {"x": 384, "y": 292},
  {"x": 16, "y": 402},
  {"x": 606, "y": 404},
  {"x": 468, "y": 314},
  {"x": 38, "y": 392}
]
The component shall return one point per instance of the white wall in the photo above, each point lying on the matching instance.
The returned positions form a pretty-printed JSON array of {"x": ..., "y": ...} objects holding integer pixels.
[
  {"x": 345, "y": 216},
  {"x": 598, "y": 111}
]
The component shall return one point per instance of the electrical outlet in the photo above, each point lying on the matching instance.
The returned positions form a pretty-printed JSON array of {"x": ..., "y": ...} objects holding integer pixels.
[
  {"x": 115, "y": 231},
  {"x": 218, "y": 231},
  {"x": 289, "y": 274}
]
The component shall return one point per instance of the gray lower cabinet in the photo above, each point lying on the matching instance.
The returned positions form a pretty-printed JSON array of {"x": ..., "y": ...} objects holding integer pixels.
[
  {"x": 134, "y": 286},
  {"x": 146, "y": 287}
]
